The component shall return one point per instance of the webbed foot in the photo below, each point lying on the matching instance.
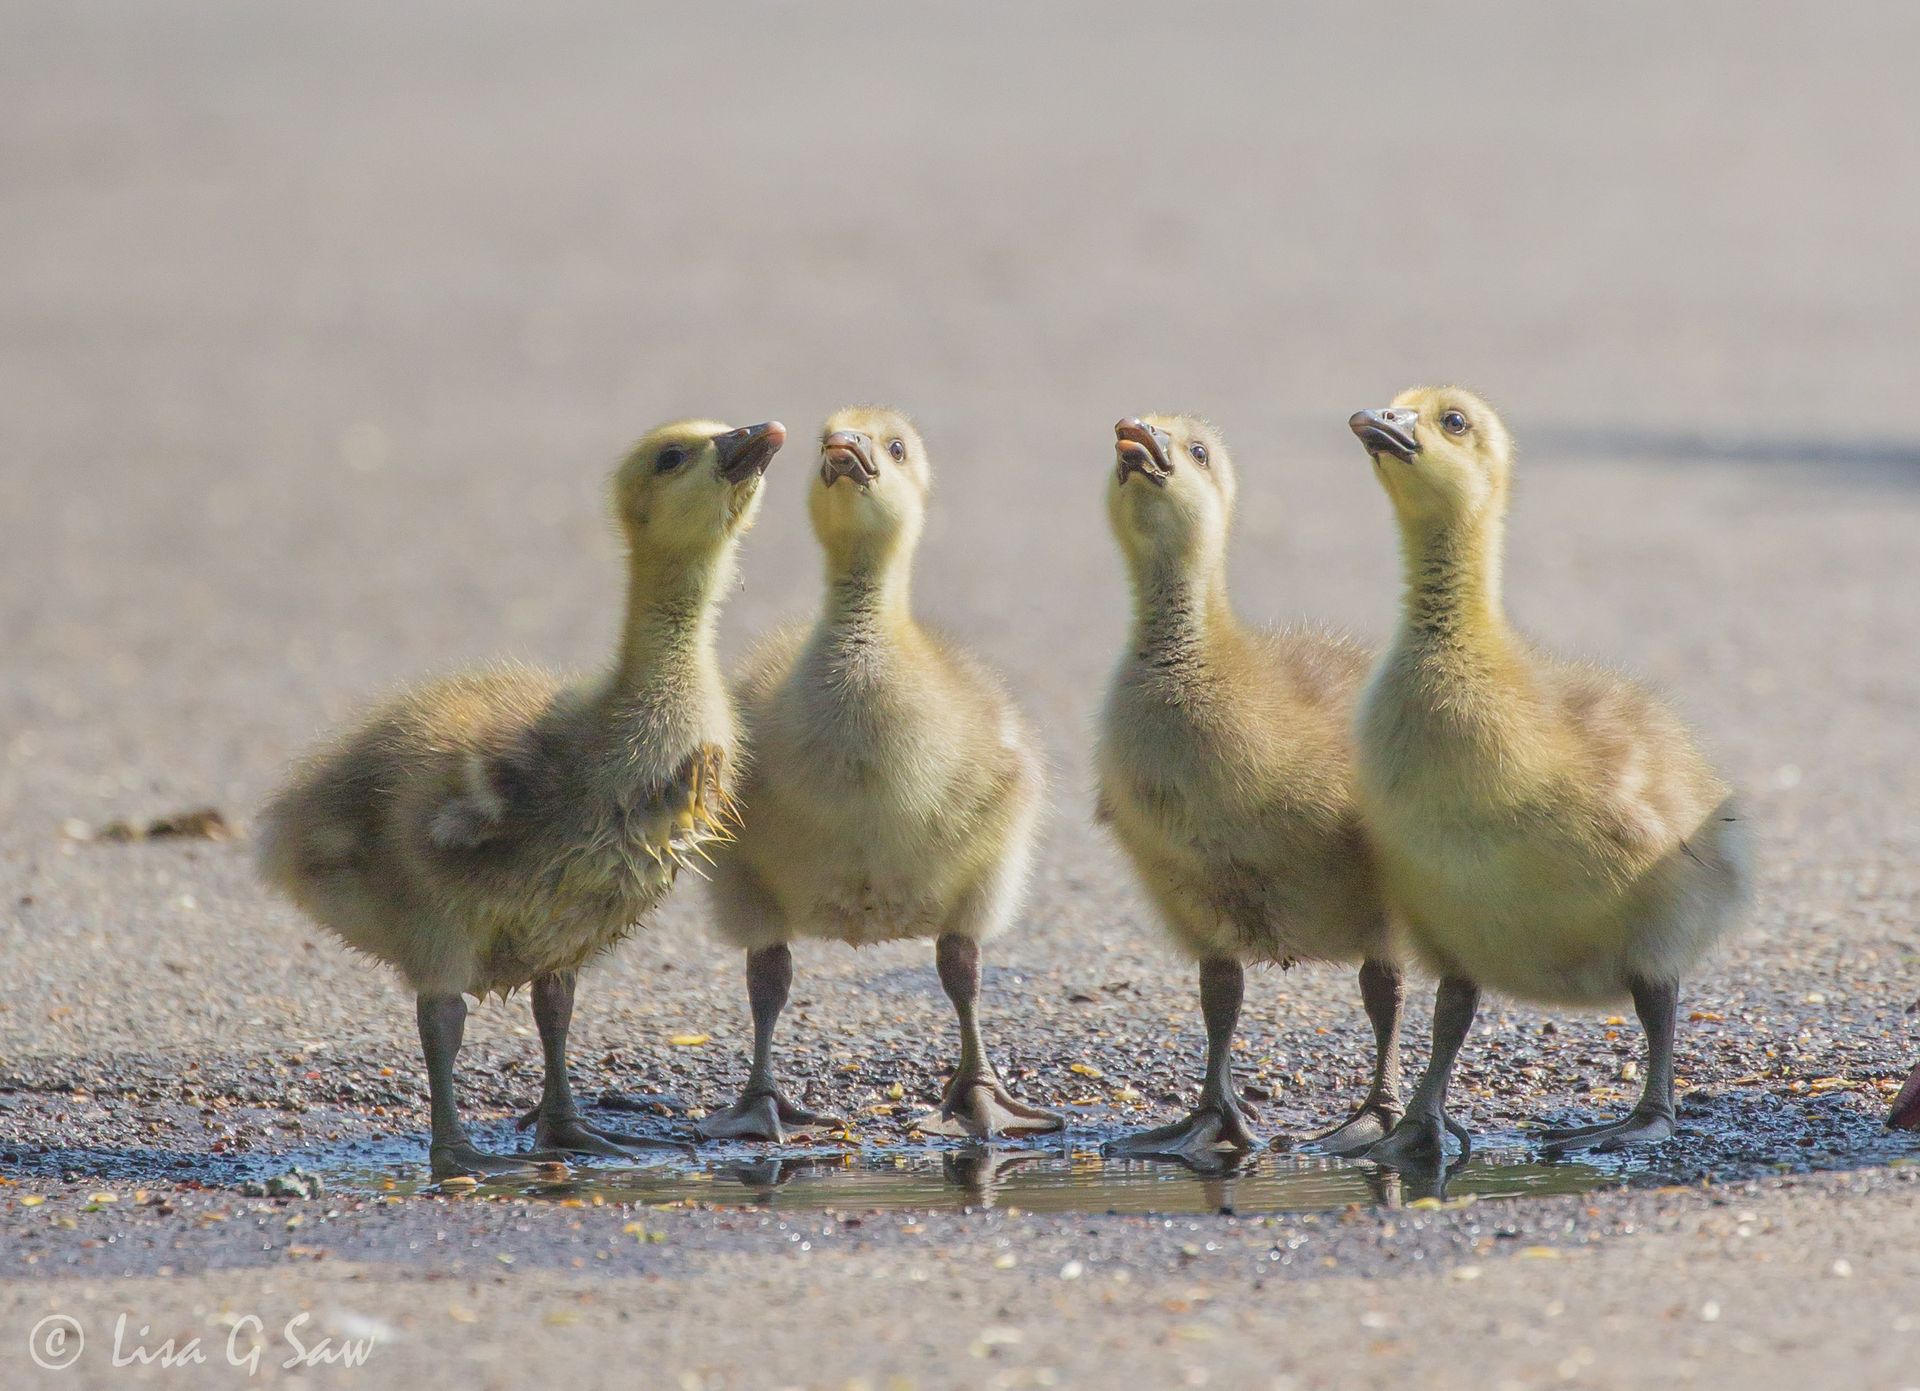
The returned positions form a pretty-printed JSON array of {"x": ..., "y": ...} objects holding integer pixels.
[
  {"x": 1419, "y": 1141},
  {"x": 1367, "y": 1127},
  {"x": 1209, "y": 1127},
  {"x": 764, "y": 1115},
  {"x": 980, "y": 1107},
  {"x": 1644, "y": 1125},
  {"x": 557, "y": 1135},
  {"x": 464, "y": 1159}
]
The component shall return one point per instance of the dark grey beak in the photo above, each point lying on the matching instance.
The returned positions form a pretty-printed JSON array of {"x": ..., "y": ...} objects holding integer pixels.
[
  {"x": 1141, "y": 448},
  {"x": 1389, "y": 431},
  {"x": 847, "y": 454},
  {"x": 746, "y": 452}
]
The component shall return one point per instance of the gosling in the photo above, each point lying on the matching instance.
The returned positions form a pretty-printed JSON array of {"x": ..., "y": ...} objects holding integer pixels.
[
  {"x": 893, "y": 789},
  {"x": 1225, "y": 773},
  {"x": 1545, "y": 828},
  {"x": 501, "y": 828}
]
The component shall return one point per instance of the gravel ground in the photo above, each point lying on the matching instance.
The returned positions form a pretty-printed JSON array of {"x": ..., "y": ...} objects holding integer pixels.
[{"x": 322, "y": 328}]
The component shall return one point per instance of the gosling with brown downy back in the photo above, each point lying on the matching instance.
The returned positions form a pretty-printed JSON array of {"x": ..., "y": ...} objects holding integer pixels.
[
  {"x": 1226, "y": 775},
  {"x": 502, "y": 828},
  {"x": 1546, "y": 828},
  {"x": 893, "y": 791}
]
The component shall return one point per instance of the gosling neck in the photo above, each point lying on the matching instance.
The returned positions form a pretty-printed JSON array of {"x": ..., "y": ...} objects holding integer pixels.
[
  {"x": 668, "y": 642},
  {"x": 869, "y": 591},
  {"x": 1182, "y": 614},
  {"x": 1452, "y": 582}
]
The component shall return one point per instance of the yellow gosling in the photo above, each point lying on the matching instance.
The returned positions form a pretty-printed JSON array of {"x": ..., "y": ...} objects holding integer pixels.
[
  {"x": 1226, "y": 774},
  {"x": 893, "y": 789},
  {"x": 500, "y": 828},
  {"x": 1546, "y": 828}
]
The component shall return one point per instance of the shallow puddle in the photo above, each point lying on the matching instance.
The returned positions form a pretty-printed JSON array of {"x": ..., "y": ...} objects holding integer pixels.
[
  {"x": 1738, "y": 1135},
  {"x": 1034, "y": 1180}
]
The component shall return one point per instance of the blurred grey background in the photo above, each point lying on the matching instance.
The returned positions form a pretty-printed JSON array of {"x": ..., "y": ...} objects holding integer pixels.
[{"x": 321, "y": 325}]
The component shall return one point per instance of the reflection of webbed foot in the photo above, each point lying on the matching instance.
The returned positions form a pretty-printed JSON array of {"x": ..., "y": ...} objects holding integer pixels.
[
  {"x": 1367, "y": 1127},
  {"x": 556, "y": 1135},
  {"x": 1419, "y": 1141},
  {"x": 763, "y": 1176},
  {"x": 977, "y": 1170},
  {"x": 464, "y": 1159},
  {"x": 764, "y": 1115},
  {"x": 1211, "y": 1126},
  {"x": 1646, "y": 1125},
  {"x": 979, "y": 1108}
]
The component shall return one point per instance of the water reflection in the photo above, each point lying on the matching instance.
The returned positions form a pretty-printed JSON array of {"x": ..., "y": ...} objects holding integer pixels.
[{"x": 1034, "y": 1180}]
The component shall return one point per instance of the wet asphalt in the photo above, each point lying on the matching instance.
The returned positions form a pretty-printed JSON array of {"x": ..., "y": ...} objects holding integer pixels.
[{"x": 321, "y": 331}]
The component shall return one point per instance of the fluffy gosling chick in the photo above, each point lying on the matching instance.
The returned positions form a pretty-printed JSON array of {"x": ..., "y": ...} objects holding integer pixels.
[
  {"x": 1226, "y": 774},
  {"x": 893, "y": 788},
  {"x": 1545, "y": 828},
  {"x": 504, "y": 827}
]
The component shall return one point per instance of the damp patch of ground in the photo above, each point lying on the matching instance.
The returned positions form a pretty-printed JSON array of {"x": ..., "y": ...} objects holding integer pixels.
[{"x": 1726, "y": 1137}]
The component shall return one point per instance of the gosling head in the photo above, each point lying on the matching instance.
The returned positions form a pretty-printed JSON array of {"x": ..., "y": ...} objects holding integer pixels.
[
  {"x": 1171, "y": 495},
  {"x": 690, "y": 487},
  {"x": 870, "y": 499},
  {"x": 1440, "y": 452}
]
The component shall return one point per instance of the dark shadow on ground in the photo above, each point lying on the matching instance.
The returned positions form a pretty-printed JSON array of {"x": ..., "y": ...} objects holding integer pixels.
[{"x": 1892, "y": 460}]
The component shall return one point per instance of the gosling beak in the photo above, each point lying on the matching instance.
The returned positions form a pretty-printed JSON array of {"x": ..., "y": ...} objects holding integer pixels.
[
  {"x": 847, "y": 454},
  {"x": 746, "y": 452},
  {"x": 1139, "y": 448},
  {"x": 1389, "y": 431},
  {"x": 1905, "y": 1114}
]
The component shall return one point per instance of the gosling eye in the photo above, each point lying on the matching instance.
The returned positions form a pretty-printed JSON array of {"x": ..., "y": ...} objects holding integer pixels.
[
  {"x": 897, "y": 449},
  {"x": 1454, "y": 423},
  {"x": 1199, "y": 452},
  {"x": 670, "y": 459}
]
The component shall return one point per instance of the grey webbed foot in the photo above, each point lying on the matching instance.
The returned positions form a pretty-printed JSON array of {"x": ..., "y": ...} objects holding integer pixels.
[
  {"x": 464, "y": 1159},
  {"x": 1645, "y": 1125},
  {"x": 557, "y": 1135},
  {"x": 976, "y": 1105},
  {"x": 764, "y": 1115},
  {"x": 1419, "y": 1141},
  {"x": 1367, "y": 1127},
  {"x": 980, "y": 1107},
  {"x": 1209, "y": 1127}
]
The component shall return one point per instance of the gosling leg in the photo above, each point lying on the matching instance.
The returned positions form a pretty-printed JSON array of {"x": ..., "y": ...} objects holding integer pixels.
[
  {"x": 557, "y": 1127},
  {"x": 976, "y": 1105},
  {"x": 1381, "y": 986},
  {"x": 1657, "y": 1003},
  {"x": 1420, "y": 1138},
  {"x": 1220, "y": 1118},
  {"x": 762, "y": 1112},
  {"x": 443, "y": 1027}
]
